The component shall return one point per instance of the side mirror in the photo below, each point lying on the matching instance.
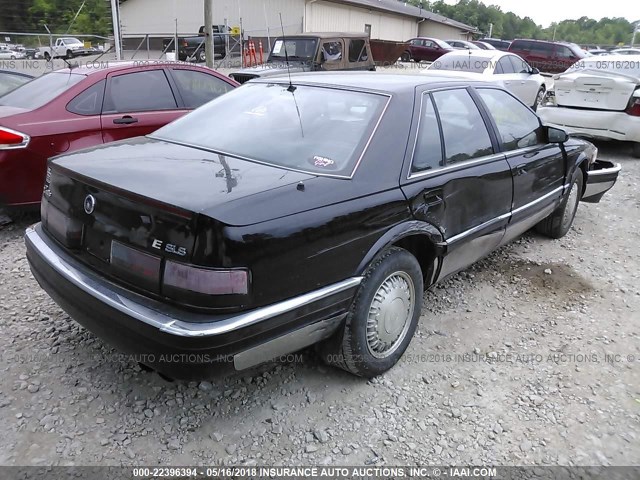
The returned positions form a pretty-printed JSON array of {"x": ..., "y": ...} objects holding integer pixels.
[
  {"x": 534, "y": 71},
  {"x": 557, "y": 135}
]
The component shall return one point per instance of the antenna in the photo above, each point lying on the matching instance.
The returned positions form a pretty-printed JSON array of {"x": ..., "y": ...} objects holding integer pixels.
[{"x": 291, "y": 88}]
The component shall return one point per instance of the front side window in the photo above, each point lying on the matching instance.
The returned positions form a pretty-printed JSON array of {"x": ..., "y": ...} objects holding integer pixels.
[
  {"x": 139, "y": 92},
  {"x": 198, "y": 88},
  {"x": 519, "y": 65},
  {"x": 312, "y": 129},
  {"x": 518, "y": 126},
  {"x": 332, "y": 51},
  {"x": 428, "y": 151},
  {"x": 464, "y": 131}
]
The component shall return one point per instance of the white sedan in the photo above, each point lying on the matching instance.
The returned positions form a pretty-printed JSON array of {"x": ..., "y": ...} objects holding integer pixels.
[
  {"x": 598, "y": 97},
  {"x": 508, "y": 69},
  {"x": 6, "y": 54}
]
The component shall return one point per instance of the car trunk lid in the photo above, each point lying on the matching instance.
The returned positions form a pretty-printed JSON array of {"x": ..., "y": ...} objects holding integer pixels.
[{"x": 595, "y": 90}]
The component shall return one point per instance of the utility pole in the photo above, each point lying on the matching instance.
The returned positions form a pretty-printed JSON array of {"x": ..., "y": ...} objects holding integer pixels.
[
  {"x": 635, "y": 30},
  {"x": 208, "y": 32},
  {"x": 115, "y": 15},
  {"x": 490, "y": 29}
]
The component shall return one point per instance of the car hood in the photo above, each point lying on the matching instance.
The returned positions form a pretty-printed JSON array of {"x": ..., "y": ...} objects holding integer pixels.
[
  {"x": 593, "y": 89},
  {"x": 233, "y": 191}
]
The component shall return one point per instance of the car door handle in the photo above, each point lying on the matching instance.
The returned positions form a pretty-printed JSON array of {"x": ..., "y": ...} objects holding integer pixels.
[
  {"x": 126, "y": 120},
  {"x": 432, "y": 199},
  {"x": 521, "y": 169}
]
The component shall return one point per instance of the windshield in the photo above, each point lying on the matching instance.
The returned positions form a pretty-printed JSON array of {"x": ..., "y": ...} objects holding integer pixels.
[
  {"x": 613, "y": 64},
  {"x": 298, "y": 49},
  {"x": 313, "y": 129},
  {"x": 70, "y": 40},
  {"x": 40, "y": 91},
  {"x": 462, "y": 62}
]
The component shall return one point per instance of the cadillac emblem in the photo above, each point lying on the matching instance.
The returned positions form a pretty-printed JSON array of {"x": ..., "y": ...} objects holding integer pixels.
[{"x": 89, "y": 204}]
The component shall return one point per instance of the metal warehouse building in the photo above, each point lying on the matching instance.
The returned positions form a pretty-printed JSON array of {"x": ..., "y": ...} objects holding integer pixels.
[{"x": 383, "y": 19}]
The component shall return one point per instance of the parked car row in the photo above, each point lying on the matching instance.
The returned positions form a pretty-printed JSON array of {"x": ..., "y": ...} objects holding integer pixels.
[
  {"x": 365, "y": 189},
  {"x": 67, "y": 110}
]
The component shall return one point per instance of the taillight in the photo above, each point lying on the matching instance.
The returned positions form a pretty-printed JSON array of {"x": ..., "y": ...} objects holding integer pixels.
[
  {"x": 204, "y": 280},
  {"x": 10, "y": 139},
  {"x": 634, "y": 105},
  {"x": 185, "y": 44}
]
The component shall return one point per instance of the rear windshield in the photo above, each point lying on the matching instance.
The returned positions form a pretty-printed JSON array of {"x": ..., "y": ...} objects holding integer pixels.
[
  {"x": 463, "y": 62},
  {"x": 40, "y": 91},
  {"x": 295, "y": 49},
  {"x": 312, "y": 129}
]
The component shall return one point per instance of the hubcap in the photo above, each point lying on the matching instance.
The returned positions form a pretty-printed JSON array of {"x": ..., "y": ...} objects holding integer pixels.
[
  {"x": 572, "y": 205},
  {"x": 390, "y": 314}
]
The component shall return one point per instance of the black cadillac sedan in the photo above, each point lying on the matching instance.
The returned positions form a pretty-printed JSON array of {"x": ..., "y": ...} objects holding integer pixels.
[{"x": 295, "y": 212}]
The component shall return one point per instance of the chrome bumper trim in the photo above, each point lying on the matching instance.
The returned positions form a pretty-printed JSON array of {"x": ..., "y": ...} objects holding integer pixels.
[{"x": 93, "y": 285}]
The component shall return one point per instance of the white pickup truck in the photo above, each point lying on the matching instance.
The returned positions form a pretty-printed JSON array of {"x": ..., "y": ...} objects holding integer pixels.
[{"x": 65, "y": 47}]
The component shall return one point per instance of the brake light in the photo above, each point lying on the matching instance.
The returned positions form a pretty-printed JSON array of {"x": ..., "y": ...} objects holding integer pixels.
[
  {"x": 634, "y": 105},
  {"x": 206, "y": 281},
  {"x": 11, "y": 139}
]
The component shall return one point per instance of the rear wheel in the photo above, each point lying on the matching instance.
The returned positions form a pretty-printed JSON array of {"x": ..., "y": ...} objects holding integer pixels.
[
  {"x": 405, "y": 57},
  {"x": 539, "y": 98},
  {"x": 559, "y": 222},
  {"x": 382, "y": 319},
  {"x": 202, "y": 56},
  {"x": 69, "y": 54},
  {"x": 636, "y": 149},
  {"x": 47, "y": 57}
]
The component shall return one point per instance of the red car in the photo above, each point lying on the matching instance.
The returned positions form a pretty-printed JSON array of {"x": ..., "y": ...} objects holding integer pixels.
[
  {"x": 68, "y": 110},
  {"x": 428, "y": 49}
]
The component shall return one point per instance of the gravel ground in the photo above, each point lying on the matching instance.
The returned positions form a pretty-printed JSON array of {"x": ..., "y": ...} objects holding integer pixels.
[{"x": 508, "y": 367}]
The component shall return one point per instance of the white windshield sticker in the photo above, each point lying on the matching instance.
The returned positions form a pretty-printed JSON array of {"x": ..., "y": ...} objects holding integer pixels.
[
  {"x": 319, "y": 161},
  {"x": 277, "y": 46}
]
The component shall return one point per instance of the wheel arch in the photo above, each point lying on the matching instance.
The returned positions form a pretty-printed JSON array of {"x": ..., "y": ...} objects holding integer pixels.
[{"x": 421, "y": 239}]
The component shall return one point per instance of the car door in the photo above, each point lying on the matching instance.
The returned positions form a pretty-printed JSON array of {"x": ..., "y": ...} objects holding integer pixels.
[
  {"x": 432, "y": 51},
  {"x": 137, "y": 103},
  {"x": 454, "y": 179},
  {"x": 563, "y": 58},
  {"x": 512, "y": 78},
  {"x": 538, "y": 167},
  {"x": 416, "y": 47},
  {"x": 528, "y": 83},
  {"x": 358, "y": 55}
]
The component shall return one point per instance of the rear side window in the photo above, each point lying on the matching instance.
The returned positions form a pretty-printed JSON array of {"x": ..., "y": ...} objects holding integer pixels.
[
  {"x": 198, "y": 88},
  {"x": 464, "y": 131},
  {"x": 505, "y": 66},
  {"x": 428, "y": 150},
  {"x": 88, "y": 102},
  {"x": 139, "y": 92},
  {"x": 518, "y": 126},
  {"x": 521, "y": 45},
  {"x": 541, "y": 48},
  {"x": 358, "y": 51}
]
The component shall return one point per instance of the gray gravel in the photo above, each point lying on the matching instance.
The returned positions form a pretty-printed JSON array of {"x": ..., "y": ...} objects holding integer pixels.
[{"x": 507, "y": 367}]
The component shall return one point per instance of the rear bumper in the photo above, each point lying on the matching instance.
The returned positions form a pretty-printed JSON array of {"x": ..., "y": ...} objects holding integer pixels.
[
  {"x": 600, "y": 179},
  {"x": 180, "y": 343},
  {"x": 599, "y": 124}
]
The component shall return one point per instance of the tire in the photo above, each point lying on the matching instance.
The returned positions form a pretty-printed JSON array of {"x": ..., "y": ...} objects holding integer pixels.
[
  {"x": 539, "y": 99},
  {"x": 635, "y": 149},
  {"x": 223, "y": 54},
  {"x": 405, "y": 57},
  {"x": 201, "y": 56},
  {"x": 393, "y": 287},
  {"x": 559, "y": 222},
  {"x": 69, "y": 55},
  {"x": 47, "y": 56},
  {"x": 13, "y": 57}
]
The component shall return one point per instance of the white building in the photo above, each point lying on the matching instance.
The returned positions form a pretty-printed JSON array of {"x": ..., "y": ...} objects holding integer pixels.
[{"x": 383, "y": 19}]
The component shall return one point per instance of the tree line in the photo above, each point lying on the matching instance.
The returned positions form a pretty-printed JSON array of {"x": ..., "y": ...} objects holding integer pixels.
[
  {"x": 30, "y": 16},
  {"x": 507, "y": 25}
]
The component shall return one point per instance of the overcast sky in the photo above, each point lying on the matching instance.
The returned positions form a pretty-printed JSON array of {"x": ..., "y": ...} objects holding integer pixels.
[{"x": 544, "y": 12}]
